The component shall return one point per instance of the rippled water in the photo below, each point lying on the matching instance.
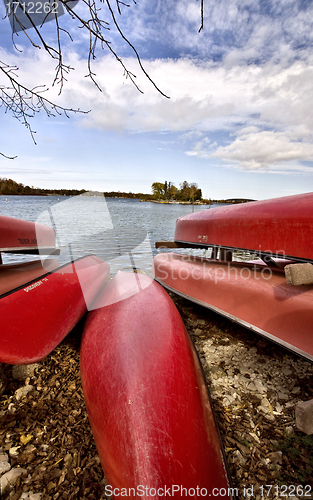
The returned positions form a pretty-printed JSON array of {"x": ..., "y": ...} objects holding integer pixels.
[{"x": 120, "y": 231}]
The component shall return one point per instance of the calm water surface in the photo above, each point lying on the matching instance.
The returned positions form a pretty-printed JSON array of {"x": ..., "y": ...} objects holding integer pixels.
[{"x": 120, "y": 231}]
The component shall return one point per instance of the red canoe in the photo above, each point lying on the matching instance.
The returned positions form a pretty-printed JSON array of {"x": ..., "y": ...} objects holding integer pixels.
[
  {"x": 146, "y": 397},
  {"x": 21, "y": 236},
  {"x": 39, "y": 308},
  {"x": 256, "y": 296},
  {"x": 276, "y": 227}
]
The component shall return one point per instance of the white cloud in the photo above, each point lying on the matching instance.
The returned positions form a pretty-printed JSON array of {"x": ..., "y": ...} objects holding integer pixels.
[
  {"x": 243, "y": 30},
  {"x": 266, "y": 107},
  {"x": 267, "y": 151}
]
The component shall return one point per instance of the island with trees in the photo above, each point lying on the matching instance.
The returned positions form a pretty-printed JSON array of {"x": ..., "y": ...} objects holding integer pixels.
[
  {"x": 189, "y": 193},
  {"x": 168, "y": 192}
]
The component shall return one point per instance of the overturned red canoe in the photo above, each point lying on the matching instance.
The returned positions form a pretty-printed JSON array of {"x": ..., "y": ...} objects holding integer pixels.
[
  {"x": 21, "y": 236},
  {"x": 277, "y": 227},
  {"x": 39, "y": 305},
  {"x": 146, "y": 397},
  {"x": 251, "y": 294}
]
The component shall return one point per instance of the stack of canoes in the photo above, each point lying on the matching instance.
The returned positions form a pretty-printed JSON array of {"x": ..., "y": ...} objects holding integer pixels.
[
  {"x": 145, "y": 393},
  {"x": 272, "y": 295},
  {"x": 41, "y": 302},
  {"x": 146, "y": 396}
]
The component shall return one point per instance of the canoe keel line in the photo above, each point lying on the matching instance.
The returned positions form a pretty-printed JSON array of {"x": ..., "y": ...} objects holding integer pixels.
[{"x": 145, "y": 394}]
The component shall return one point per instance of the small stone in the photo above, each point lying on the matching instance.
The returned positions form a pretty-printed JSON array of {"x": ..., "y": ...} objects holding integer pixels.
[
  {"x": 296, "y": 390},
  {"x": 304, "y": 416},
  {"x": 192, "y": 322},
  {"x": 269, "y": 417},
  {"x": 210, "y": 350},
  {"x": 255, "y": 437},
  {"x": 23, "y": 391},
  {"x": 11, "y": 409},
  {"x": 245, "y": 370},
  {"x": 13, "y": 452},
  {"x": 253, "y": 350},
  {"x": 4, "y": 462},
  {"x": 197, "y": 332},
  {"x": 252, "y": 387},
  {"x": 238, "y": 458},
  {"x": 3, "y": 381},
  {"x": 289, "y": 430},
  {"x": 31, "y": 496},
  {"x": 22, "y": 372},
  {"x": 265, "y": 405},
  {"x": 4, "y": 467},
  {"x": 228, "y": 400},
  {"x": 8, "y": 480},
  {"x": 260, "y": 387},
  {"x": 217, "y": 372},
  {"x": 201, "y": 322},
  {"x": 72, "y": 386},
  {"x": 265, "y": 461},
  {"x": 68, "y": 460},
  {"x": 286, "y": 371},
  {"x": 3, "y": 456},
  {"x": 276, "y": 457},
  {"x": 282, "y": 395},
  {"x": 289, "y": 404}
]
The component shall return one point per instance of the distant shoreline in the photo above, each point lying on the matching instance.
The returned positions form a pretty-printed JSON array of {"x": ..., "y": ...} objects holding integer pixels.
[
  {"x": 165, "y": 202},
  {"x": 161, "y": 202}
]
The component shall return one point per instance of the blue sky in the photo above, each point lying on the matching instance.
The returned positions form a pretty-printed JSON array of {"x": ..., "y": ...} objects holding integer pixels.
[{"x": 238, "y": 121}]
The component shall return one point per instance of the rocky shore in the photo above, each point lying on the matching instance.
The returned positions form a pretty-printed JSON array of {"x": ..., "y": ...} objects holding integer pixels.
[{"x": 47, "y": 449}]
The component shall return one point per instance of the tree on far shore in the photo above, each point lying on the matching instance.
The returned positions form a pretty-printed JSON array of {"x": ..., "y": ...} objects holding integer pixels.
[{"x": 167, "y": 191}]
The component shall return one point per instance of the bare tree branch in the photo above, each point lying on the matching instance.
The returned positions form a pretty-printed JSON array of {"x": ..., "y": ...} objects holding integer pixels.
[
  {"x": 133, "y": 48},
  {"x": 201, "y": 27},
  {"x": 8, "y": 157},
  {"x": 24, "y": 103}
]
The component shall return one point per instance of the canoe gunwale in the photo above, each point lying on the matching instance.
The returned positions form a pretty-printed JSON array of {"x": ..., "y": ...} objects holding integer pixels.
[
  {"x": 200, "y": 369},
  {"x": 235, "y": 319},
  {"x": 44, "y": 275},
  {"x": 32, "y": 250}
]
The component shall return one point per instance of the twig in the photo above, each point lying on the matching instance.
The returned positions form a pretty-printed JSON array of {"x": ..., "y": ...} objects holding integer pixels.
[{"x": 201, "y": 27}]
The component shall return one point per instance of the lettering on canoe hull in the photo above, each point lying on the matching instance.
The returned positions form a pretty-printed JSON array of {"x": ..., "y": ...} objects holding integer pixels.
[
  {"x": 202, "y": 239},
  {"x": 34, "y": 285},
  {"x": 27, "y": 241}
]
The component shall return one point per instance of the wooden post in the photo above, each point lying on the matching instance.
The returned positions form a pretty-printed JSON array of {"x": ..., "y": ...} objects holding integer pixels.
[
  {"x": 214, "y": 253},
  {"x": 226, "y": 255}
]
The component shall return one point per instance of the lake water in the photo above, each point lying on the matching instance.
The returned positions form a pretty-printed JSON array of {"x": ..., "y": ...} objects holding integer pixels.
[{"x": 121, "y": 231}]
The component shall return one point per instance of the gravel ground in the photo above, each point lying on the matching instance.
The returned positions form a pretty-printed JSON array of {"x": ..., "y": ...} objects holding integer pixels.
[{"x": 47, "y": 446}]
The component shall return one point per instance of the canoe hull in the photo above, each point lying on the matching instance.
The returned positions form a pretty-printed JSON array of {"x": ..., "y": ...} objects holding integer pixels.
[
  {"x": 21, "y": 236},
  {"x": 145, "y": 394},
  {"x": 278, "y": 227},
  {"x": 255, "y": 296},
  {"x": 36, "y": 315}
]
